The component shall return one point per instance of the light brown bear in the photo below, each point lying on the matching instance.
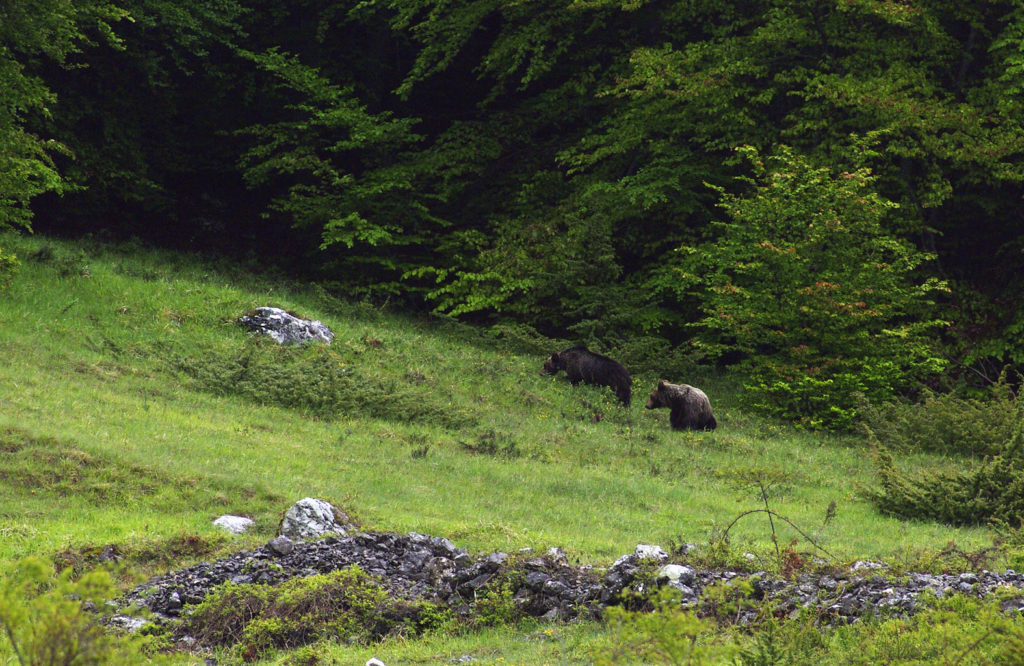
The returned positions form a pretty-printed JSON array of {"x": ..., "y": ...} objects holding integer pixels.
[{"x": 690, "y": 406}]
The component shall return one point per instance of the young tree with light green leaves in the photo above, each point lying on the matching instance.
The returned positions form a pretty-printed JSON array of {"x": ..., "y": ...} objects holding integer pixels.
[
  {"x": 805, "y": 284},
  {"x": 32, "y": 29}
]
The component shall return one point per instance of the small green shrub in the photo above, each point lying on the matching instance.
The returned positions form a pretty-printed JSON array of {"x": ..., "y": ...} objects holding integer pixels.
[
  {"x": 308, "y": 655},
  {"x": 53, "y": 619},
  {"x": 497, "y": 605},
  {"x": 346, "y": 605},
  {"x": 8, "y": 268},
  {"x": 492, "y": 443},
  {"x": 954, "y": 630},
  {"x": 944, "y": 423},
  {"x": 316, "y": 380},
  {"x": 991, "y": 492},
  {"x": 665, "y": 635},
  {"x": 768, "y": 647},
  {"x": 726, "y": 600}
]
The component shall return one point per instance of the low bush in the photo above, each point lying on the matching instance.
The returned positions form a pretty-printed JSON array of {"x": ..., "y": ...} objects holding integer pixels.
[
  {"x": 954, "y": 630},
  {"x": 8, "y": 268},
  {"x": 945, "y": 423},
  {"x": 50, "y": 619},
  {"x": 497, "y": 605},
  {"x": 346, "y": 606},
  {"x": 315, "y": 380},
  {"x": 667, "y": 634},
  {"x": 68, "y": 263},
  {"x": 988, "y": 492},
  {"x": 991, "y": 492}
]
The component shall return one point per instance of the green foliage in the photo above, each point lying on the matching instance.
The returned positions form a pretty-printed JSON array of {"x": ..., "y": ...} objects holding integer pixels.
[
  {"x": 726, "y": 600},
  {"x": 67, "y": 263},
  {"x": 8, "y": 268},
  {"x": 991, "y": 492},
  {"x": 48, "y": 619},
  {"x": 665, "y": 635},
  {"x": 345, "y": 605},
  {"x": 812, "y": 75},
  {"x": 563, "y": 250},
  {"x": 54, "y": 29},
  {"x": 493, "y": 443},
  {"x": 946, "y": 423},
  {"x": 143, "y": 123},
  {"x": 992, "y": 335},
  {"x": 533, "y": 41},
  {"x": 804, "y": 282},
  {"x": 338, "y": 166},
  {"x": 539, "y": 268},
  {"x": 954, "y": 630},
  {"x": 767, "y": 647},
  {"x": 497, "y": 605},
  {"x": 656, "y": 356},
  {"x": 315, "y": 380}
]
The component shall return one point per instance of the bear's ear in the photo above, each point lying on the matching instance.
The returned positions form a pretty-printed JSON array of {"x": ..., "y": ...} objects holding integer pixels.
[
  {"x": 662, "y": 384},
  {"x": 554, "y": 357}
]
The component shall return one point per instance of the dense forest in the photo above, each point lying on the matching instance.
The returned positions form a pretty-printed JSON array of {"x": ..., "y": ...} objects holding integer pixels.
[{"x": 824, "y": 194}]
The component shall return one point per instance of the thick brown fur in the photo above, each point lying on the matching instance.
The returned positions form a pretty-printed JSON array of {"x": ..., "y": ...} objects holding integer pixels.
[
  {"x": 583, "y": 365},
  {"x": 690, "y": 407}
]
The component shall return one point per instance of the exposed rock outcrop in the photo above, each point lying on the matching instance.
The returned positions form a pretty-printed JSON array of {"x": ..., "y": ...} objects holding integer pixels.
[
  {"x": 284, "y": 327},
  {"x": 417, "y": 566},
  {"x": 310, "y": 518}
]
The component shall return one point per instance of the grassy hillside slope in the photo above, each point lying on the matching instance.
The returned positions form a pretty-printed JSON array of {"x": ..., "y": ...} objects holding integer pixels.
[{"x": 134, "y": 411}]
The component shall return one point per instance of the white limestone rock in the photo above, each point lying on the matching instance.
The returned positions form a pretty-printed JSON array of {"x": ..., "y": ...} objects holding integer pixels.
[
  {"x": 309, "y": 518},
  {"x": 234, "y": 524},
  {"x": 677, "y": 574},
  {"x": 644, "y": 552},
  {"x": 284, "y": 327}
]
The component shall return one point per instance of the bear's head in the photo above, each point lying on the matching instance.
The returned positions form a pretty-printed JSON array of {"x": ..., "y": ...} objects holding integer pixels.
[
  {"x": 552, "y": 364},
  {"x": 658, "y": 397}
]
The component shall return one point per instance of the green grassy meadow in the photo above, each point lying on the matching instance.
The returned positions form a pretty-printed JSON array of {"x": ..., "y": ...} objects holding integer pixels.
[{"x": 134, "y": 411}]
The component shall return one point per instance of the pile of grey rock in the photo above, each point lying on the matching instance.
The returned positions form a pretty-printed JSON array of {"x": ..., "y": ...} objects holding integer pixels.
[
  {"x": 838, "y": 598},
  {"x": 418, "y": 566},
  {"x": 412, "y": 566}
]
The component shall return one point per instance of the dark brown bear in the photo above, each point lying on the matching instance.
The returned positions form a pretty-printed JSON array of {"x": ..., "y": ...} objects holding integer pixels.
[
  {"x": 583, "y": 365},
  {"x": 690, "y": 407}
]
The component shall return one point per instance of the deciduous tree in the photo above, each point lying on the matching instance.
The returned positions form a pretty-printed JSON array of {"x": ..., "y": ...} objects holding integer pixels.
[{"x": 806, "y": 284}]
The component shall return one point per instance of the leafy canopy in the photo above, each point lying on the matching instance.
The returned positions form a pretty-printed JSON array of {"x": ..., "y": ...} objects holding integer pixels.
[
  {"x": 804, "y": 283},
  {"x": 54, "y": 29}
]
